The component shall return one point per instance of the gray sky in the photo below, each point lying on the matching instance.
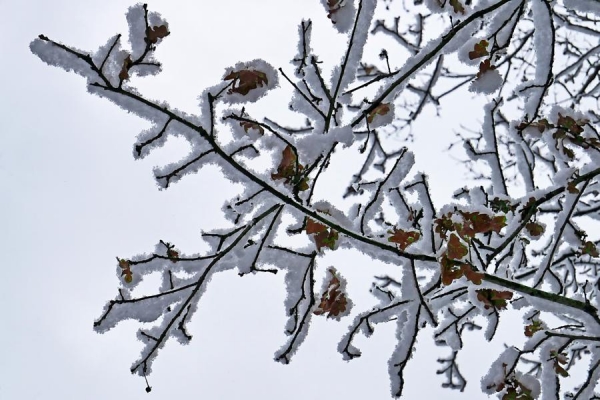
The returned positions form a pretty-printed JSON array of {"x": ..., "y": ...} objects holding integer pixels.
[{"x": 74, "y": 199}]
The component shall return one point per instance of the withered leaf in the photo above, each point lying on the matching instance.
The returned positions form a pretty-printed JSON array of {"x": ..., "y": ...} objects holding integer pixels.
[
  {"x": 403, "y": 238},
  {"x": 333, "y": 6},
  {"x": 532, "y": 328},
  {"x": 247, "y": 125},
  {"x": 246, "y": 80},
  {"x": 369, "y": 68},
  {"x": 153, "y": 33},
  {"x": 173, "y": 255},
  {"x": 381, "y": 109},
  {"x": 326, "y": 239},
  {"x": 451, "y": 270},
  {"x": 535, "y": 229},
  {"x": 313, "y": 226},
  {"x": 559, "y": 358},
  {"x": 492, "y": 298},
  {"x": 457, "y": 6},
  {"x": 590, "y": 249},
  {"x": 127, "y": 63},
  {"x": 289, "y": 170},
  {"x": 572, "y": 188},
  {"x": 472, "y": 275},
  {"x": 324, "y": 236},
  {"x": 333, "y": 300},
  {"x": 476, "y": 222},
  {"x": 479, "y": 50},
  {"x": 484, "y": 67},
  {"x": 287, "y": 166},
  {"x": 456, "y": 250},
  {"x": 126, "y": 270}
]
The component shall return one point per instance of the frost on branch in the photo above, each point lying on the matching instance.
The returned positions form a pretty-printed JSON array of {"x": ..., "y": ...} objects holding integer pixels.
[{"x": 516, "y": 237}]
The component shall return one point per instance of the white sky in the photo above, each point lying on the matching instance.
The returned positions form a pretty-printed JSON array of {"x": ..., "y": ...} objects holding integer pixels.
[{"x": 74, "y": 199}]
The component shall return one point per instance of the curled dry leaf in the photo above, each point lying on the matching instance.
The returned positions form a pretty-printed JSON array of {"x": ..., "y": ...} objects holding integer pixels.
[
  {"x": 504, "y": 206},
  {"x": 246, "y": 80},
  {"x": 572, "y": 188},
  {"x": 368, "y": 68},
  {"x": 559, "y": 358},
  {"x": 403, "y": 238},
  {"x": 313, "y": 226},
  {"x": 479, "y": 50},
  {"x": 153, "y": 33},
  {"x": 333, "y": 300},
  {"x": 492, "y": 298},
  {"x": 532, "y": 328},
  {"x": 381, "y": 109},
  {"x": 334, "y": 6},
  {"x": 535, "y": 229},
  {"x": 472, "y": 223},
  {"x": 288, "y": 165},
  {"x": 127, "y": 63},
  {"x": 247, "y": 125},
  {"x": 324, "y": 236},
  {"x": 472, "y": 275},
  {"x": 541, "y": 125},
  {"x": 484, "y": 67},
  {"x": 475, "y": 223},
  {"x": 452, "y": 270},
  {"x": 173, "y": 255},
  {"x": 590, "y": 249},
  {"x": 514, "y": 389},
  {"x": 570, "y": 124},
  {"x": 126, "y": 270},
  {"x": 457, "y": 6},
  {"x": 289, "y": 169},
  {"x": 456, "y": 250}
]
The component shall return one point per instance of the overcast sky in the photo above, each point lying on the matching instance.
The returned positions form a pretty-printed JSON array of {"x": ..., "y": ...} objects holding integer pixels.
[{"x": 74, "y": 199}]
